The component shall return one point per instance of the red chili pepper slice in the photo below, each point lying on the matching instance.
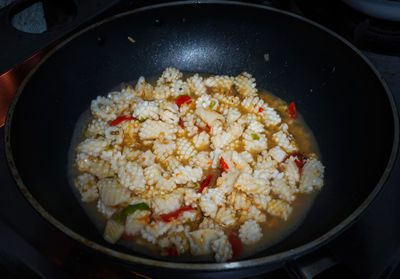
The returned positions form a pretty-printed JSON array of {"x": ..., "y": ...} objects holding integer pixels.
[
  {"x": 260, "y": 109},
  {"x": 183, "y": 100},
  {"x": 299, "y": 161},
  {"x": 206, "y": 183},
  {"x": 224, "y": 166},
  {"x": 208, "y": 129},
  {"x": 127, "y": 236},
  {"x": 120, "y": 119},
  {"x": 180, "y": 123},
  {"x": 292, "y": 110},
  {"x": 236, "y": 245},
  {"x": 172, "y": 251},
  {"x": 173, "y": 215}
]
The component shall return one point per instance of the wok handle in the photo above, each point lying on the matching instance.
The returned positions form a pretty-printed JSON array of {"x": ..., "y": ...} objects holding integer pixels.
[
  {"x": 17, "y": 46},
  {"x": 319, "y": 265}
]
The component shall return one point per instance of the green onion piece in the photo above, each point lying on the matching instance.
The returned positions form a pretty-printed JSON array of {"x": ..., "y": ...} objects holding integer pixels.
[
  {"x": 130, "y": 209},
  {"x": 255, "y": 136},
  {"x": 212, "y": 104},
  {"x": 142, "y": 119}
]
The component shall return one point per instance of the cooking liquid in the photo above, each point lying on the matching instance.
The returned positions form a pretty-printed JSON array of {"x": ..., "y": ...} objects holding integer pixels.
[{"x": 274, "y": 229}]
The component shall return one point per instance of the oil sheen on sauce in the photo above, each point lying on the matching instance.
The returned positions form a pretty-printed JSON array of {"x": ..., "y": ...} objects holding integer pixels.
[{"x": 274, "y": 229}]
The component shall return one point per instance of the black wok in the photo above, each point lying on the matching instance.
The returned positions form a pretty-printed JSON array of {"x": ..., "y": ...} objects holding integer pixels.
[{"x": 341, "y": 96}]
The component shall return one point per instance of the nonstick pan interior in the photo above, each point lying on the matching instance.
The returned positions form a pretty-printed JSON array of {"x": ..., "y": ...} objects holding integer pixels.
[{"x": 337, "y": 92}]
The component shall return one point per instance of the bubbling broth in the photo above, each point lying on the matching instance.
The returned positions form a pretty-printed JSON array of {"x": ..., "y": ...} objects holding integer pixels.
[{"x": 273, "y": 213}]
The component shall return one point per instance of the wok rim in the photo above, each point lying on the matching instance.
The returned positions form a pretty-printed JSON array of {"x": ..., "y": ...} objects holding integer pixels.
[{"x": 248, "y": 263}]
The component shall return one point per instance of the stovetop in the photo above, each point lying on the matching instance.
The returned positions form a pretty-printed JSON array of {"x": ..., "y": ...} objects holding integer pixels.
[{"x": 369, "y": 249}]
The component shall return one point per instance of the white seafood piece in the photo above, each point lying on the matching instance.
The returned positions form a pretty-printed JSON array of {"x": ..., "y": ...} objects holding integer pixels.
[
  {"x": 167, "y": 203},
  {"x": 253, "y": 213},
  {"x": 107, "y": 211},
  {"x": 111, "y": 193},
  {"x": 152, "y": 174},
  {"x": 113, "y": 231},
  {"x": 131, "y": 176},
  {"x": 239, "y": 200},
  {"x": 86, "y": 185},
  {"x": 201, "y": 240},
  {"x": 171, "y": 163},
  {"x": 201, "y": 141},
  {"x": 151, "y": 129},
  {"x": 240, "y": 163},
  {"x": 146, "y": 159},
  {"x": 104, "y": 108},
  {"x": 256, "y": 127},
  {"x": 220, "y": 84},
  {"x": 196, "y": 85},
  {"x": 227, "y": 180},
  {"x": 266, "y": 167},
  {"x": 250, "y": 232},
  {"x": 136, "y": 221},
  {"x": 151, "y": 232},
  {"x": 245, "y": 84},
  {"x": 162, "y": 150},
  {"x": 215, "y": 194},
  {"x": 252, "y": 104},
  {"x": 226, "y": 217},
  {"x": 247, "y": 156},
  {"x": 280, "y": 187},
  {"x": 222, "y": 249},
  {"x": 291, "y": 171},
  {"x": 254, "y": 142},
  {"x": 179, "y": 88},
  {"x": 114, "y": 157},
  {"x": 234, "y": 145},
  {"x": 202, "y": 160},
  {"x": 232, "y": 101},
  {"x": 169, "y": 75},
  {"x": 92, "y": 147},
  {"x": 143, "y": 89},
  {"x": 261, "y": 201},
  {"x": 166, "y": 185},
  {"x": 249, "y": 184},
  {"x": 130, "y": 154},
  {"x": 312, "y": 176},
  {"x": 208, "y": 205},
  {"x": 161, "y": 92},
  {"x": 269, "y": 116},
  {"x": 203, "y": 101},
  {"x": 169, "y": 116},
  {"x": 146, "y": 110},
  {"x": 96, "y": 127},
  {"x": 279, "y": 208},
  {"x": 209, "y": 116},
  {"x": 191, "y": 197},
  {"x": 277, "y": 153},
  {"x": 184, "y": 174},
  {"x": 285, "y": 140},
  {"x": 233, "y": 132},
  {"x": 233, "y": 115},
  {"x": 114, "y": 135},
  {"x": 209, "y": 223},
  {"x": 93, "y": 165},
  {"x": 180, "y": 241},
  {"x": 184, "y": 149}
]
